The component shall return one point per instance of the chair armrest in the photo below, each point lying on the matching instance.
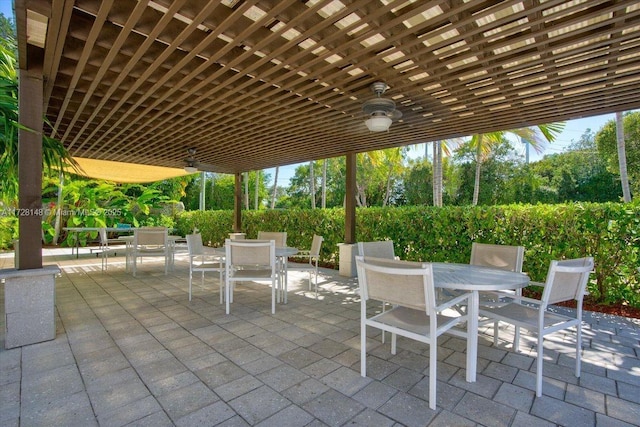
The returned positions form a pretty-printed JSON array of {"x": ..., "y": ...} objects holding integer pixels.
[{"x": 453, "y": 301}]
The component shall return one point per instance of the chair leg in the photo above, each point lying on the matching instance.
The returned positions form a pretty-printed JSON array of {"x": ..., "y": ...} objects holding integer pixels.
[
  {"x": 226, "y": 292},
  {"x": 274, "y": 284},
  {"x": 363, "y": 349},
  {"x": 190, "y": 280},
  {"x": 433, "y": 359},
  {"x": 539, "y": 360},
  {"x": 578, "y": 348},
  {"x": 221, "y": 288}
]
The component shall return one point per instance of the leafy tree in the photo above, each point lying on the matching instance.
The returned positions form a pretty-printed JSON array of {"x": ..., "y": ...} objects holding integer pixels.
[
  {"x": 578, "y": 174},
  {"x": 54, "y": 155},
  {"x": 417, "y": 183},
  {"x": 499, "y": 166},
  {"x": 485, "y": 143},
  {"x": 298, "y": 193},
  {"x": 607, "y": 147}
]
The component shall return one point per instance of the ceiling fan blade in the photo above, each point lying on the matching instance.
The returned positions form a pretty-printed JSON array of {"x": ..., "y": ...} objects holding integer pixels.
[
  {"x": 205, "y": 167},
  {"x": 395, "y": 115}
]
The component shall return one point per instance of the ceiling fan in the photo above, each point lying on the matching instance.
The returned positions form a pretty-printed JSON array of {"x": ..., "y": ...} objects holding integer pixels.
[
  {"x": 380, "y": 111},
  {"x": 191, "y": 165}
]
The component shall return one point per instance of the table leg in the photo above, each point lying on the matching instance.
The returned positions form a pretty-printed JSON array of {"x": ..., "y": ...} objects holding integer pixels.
[
  {"x": 286, "y": 277},
  {"x": 472, "y": 336},
  {"x": 77, "y": 245}
]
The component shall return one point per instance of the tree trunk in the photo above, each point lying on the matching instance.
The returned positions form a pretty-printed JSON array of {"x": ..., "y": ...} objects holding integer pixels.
[
  {"x": 622, "y": 158},
  {"x": 255, "y": 194},
  {"x": 274, "y": 194},
  {"x": 312, "y": 185},
  {"x": 203, "y": 187},
  {"x": 58, "y": 221},
  {"x": 476, "y": 184},
  {"x": 324, "y": 184},
  {"x": 246, "y": 190},
  {"x": 437, "y": 173}
]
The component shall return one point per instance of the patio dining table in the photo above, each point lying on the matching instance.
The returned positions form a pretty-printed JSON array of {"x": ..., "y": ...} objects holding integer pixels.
[
  {"x": 78, "y": 230},
  {"x": 473, "y": 278},
  {"x": 172, "y": 240}
]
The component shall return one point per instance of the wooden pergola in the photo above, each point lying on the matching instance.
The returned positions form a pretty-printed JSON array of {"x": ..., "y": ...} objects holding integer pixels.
[{"x": 256, "y": 84}]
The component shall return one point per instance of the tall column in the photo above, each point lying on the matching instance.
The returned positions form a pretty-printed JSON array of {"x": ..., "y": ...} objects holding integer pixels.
[
  {"x": 237, "y": 205},
  {"x": 350, "y": 200},
  {"x": 30, "y": 102}
]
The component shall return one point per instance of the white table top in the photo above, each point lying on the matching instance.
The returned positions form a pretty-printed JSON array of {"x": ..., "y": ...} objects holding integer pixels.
[
  {"x": 109, "y": 229},
  {"x": 280, "y": 251},
  {"x": 476, "y": 278}
]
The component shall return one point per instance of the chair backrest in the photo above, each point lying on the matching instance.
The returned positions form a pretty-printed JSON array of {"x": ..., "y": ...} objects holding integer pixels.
[
  {"x": 566, "y": 280},
  {"x": 504, "y": 257},
  {"x": 280, "y": 237},
  {"x": 405, "y": 283},
  {"x": 150, "y": 237},
  {"x": 250, "y": 253},
  {"x": 316, "y": 244},
  {"x": 103, "y": 237},
  {"x": 378, "y": 249},
  {"x": 194, "y": 244}
]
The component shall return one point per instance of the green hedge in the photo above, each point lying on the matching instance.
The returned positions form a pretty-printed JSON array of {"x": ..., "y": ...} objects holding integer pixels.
[{"x": 610, "y": 232}]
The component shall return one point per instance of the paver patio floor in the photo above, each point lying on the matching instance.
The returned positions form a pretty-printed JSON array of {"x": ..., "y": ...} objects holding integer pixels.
[{"x": 135, "y": 351}]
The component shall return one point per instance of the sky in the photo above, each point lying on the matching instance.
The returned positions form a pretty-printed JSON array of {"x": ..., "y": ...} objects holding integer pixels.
[{"x": 572, "y": 131}]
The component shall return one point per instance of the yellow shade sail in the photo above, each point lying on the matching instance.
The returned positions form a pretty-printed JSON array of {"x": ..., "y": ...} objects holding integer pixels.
[{"x": 125, "y": 172}]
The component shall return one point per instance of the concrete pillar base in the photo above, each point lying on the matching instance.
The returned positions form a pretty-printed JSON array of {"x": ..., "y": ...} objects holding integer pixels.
[
  {"x": 29, "y": 304},
  {"x": 347, "y": 259}
]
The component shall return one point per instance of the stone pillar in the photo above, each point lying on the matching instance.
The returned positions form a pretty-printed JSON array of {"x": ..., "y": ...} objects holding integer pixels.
[
  {"x": 29, "y": 304},
  {"x": 347, "y": 259}
]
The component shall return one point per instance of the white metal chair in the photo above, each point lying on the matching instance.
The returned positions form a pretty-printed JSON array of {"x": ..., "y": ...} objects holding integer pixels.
[
  {"x": 415, "y": 315},
  {"x": 280, "y": 237},
  {"x": 250, "y": 260},
  {"x": 504, "y": 257},
  {"x": 312, "y": 257},
  {"x": 105, "y": 247},
  {"x": 151, "y": 242},
  {"x": 378, "y": 249},
  {"x": 566, "y": 280},
  {"x": 202, "y": 261}
]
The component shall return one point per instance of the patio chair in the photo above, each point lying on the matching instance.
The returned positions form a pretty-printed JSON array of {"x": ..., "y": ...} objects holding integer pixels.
[
  {"x": 504, "y": 257},
  {"x": 150, "y": 242},
  {"x": 280, "y": 237},
  {"x": 312, "y": 256},
  {"x": 105, "y": 248},
  {"x": 250, "y": 260},
  {"x": 415, "y": 315},
  {"x": 378, "y": 249},
  {"x": 202, "y": 261},
  {"x": 566, "y": 280}
]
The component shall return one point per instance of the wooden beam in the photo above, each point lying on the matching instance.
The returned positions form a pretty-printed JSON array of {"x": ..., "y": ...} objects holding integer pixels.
[
  {"x": 350, "y": 200},
  {"x": 237, "y": 204},
  {"x": 30, "y": 170}
]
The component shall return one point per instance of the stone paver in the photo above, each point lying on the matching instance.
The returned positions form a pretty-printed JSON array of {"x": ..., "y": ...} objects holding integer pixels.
[{"x": 136, "y": 351}]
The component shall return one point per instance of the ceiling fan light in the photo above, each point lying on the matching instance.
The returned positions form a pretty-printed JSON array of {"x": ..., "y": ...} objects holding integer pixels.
[
  {"x": 378, "y": 123},
  {"x": 190, "y": 169}
]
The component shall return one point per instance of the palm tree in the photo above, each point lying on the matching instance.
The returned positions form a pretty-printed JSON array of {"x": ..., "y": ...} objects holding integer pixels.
[
  {"x": 312, "y": 185},
  {"x": 622, "y": 157},
  {"x": 54, "y": 155},
  {"x": 485, "y": 143},
  {"x": 324, "y": 184},
  {"x": 275, "y": 188}
]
